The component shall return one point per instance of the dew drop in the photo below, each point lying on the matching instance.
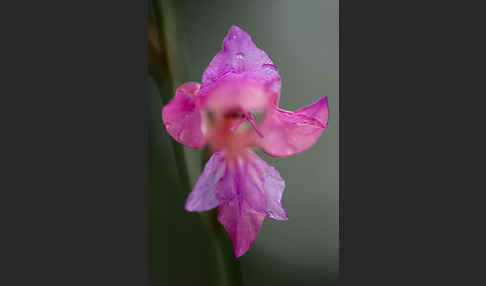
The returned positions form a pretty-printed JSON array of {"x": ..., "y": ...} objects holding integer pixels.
[
  {"x": 169, "y": 127},
  {"x": 269, "y": 67},
  {"x": 240, "y": 56},
  {"x": 182, "y": 135}
]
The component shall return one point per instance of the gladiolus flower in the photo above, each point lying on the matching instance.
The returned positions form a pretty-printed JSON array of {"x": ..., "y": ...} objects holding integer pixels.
[{"x": 235, "y": 109}]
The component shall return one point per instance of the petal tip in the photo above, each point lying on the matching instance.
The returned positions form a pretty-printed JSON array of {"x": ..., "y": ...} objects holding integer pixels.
[
  {"x": 322, "y": 114},
  {"x": 240, "y": 251},
  {"x": 278, "y": 216},
  {"x": 235, "y": 28},
  {"x": 188, "y": 206},
  {"x": 235, "y": 31},
  {"x": 326, "y": 108}
]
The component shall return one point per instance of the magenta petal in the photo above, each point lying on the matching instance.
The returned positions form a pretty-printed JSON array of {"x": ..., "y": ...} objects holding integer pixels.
[
  {"x": 248, "y": 185},
  {"x": 246, "y": 190},
  {"x": 203, "y": 197},
  {"x": 288, "y": 133},
  {"x": 182, "y": 118},
  {"x": 240, "y": 55},
  {"x": 268, "y": 178},
  {"x": 242, "y": 224}
]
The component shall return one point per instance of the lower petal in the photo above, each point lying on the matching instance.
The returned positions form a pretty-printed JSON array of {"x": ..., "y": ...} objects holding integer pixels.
[
  {"x": 242, "y": 224},
  {"x": 203, "y": 197},
  {"x": 246, "y": 190},
  {"x": 269, "y": 180}
]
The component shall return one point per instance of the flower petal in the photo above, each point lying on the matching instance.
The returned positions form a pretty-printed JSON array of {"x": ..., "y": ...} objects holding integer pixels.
[
  {"x": 235, "y": 92},
  {"x": 203, "y": 197},
  {"x": 246, "y": 189},
  {"x": 240, "y": 55},
  {"x": 182, "y": 118},
  {"x": 249, "y": 184},
  {"x": 288, "y": 133},
  {"x": 268, "y": 178},
  {"x": 242, "y": 224}
]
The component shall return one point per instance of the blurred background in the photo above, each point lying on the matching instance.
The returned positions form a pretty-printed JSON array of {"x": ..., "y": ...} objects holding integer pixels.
[{"x": 301, "y": 37}]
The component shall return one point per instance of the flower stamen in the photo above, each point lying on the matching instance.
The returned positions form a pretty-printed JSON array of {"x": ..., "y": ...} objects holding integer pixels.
[{"x": 251, "y": 119}]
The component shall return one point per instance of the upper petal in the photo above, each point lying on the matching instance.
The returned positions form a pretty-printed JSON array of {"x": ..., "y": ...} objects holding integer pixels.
[
  {"x": 242, "y": 223},
  {"x": 288, "y": 133},
  {"x": 239, "y": 55},
  {"x": 182, "y": 117}
]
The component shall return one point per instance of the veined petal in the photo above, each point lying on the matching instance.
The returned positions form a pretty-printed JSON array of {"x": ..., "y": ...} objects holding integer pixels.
[
  {"x": 249, "y": 179},
  {"x": 249, "y": 183},
  {"x": 212, "y": 179},
  {"x": 257, "y": 192},
  {"x": 288, "y": 133},
  {"x": 182, "y": 117},
  {"x": 246, "y": 190},
  {"x": 268, "y": 179},
  {"x": 239, "y": 55},
  {"x": 242, "y": 224}
]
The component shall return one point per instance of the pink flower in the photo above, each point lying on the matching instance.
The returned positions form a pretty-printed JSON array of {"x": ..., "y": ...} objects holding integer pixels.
[{"x": 240, "y": 82}]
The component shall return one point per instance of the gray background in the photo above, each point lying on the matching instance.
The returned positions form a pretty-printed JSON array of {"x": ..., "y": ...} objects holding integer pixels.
[{"x": 301, "y": 37}]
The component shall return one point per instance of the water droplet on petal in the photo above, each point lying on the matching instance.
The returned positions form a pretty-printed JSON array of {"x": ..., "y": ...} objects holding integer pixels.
[
  {"x": 240, "y": 56},
  {"x": 182, "y": 135},
  {"x": 234, "y": 36},
  {"x": 269, "y": 67}
]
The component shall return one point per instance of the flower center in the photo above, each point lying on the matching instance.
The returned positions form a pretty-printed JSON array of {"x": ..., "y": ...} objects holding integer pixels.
[{"x": 250, "y": 118}]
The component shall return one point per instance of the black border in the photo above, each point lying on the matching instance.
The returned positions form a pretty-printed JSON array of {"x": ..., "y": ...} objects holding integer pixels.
[
  {"x": 75, "y": 169},
  {"x": 407, "y": 83}
]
